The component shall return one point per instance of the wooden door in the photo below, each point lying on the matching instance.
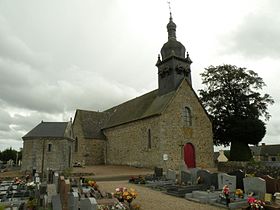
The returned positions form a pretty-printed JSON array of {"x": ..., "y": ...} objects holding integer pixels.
[{"x": 189, "y": 155}]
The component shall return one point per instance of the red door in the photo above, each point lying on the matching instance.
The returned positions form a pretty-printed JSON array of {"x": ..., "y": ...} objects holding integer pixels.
[{"x": 189, "y": 155}]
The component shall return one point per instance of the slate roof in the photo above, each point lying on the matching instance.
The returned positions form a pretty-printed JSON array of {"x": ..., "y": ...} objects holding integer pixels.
[
  {"x": 91, "y": 123},
  {"x": 270, "y": 150},
  {"x": 144, "y": 106},
  {"x": 147, "y": 105},
  {"x": 264, "y": 150},
  {"x": 47, "y": 129}
]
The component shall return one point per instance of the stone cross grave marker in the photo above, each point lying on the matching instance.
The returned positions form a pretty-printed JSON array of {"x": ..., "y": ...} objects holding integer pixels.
[
  {"x": 256, "y": 185},
  {"x": 225, "y": 179}
]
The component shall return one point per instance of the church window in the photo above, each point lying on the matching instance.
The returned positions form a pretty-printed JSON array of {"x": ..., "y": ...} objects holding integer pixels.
[
  {"x": 49, "y": 147},
  {"x": 76, "y": 144},
  {"x": 187, "y": 116},
  {"x": 149, "y": 139}
]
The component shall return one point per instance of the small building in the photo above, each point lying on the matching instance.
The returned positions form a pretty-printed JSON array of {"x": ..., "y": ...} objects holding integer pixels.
[
  {"x": 48, "y": 146},
  {"x": 266, "y": 152}
]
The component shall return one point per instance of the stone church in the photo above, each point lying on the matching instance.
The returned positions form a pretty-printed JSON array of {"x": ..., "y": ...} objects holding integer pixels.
[{"x": 159, "y": 128}]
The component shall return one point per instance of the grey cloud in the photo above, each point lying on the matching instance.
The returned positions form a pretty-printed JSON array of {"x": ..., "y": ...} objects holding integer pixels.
[
  {"x": 258, "y": 35},
  {"x": 5, "y": 121}
]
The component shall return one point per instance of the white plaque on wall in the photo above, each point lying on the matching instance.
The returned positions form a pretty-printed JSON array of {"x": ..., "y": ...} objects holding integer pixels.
[{"x": 165, "y": 157}]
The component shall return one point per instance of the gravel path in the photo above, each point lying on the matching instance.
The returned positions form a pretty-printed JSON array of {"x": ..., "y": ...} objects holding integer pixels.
[{"x": 154, "y": 200}]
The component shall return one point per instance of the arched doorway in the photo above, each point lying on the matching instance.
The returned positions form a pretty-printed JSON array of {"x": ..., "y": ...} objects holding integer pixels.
[{"x": 189, "y": 155}]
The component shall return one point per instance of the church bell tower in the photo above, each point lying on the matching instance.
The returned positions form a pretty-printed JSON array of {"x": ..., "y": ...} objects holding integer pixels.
[{"x": 173, "y": 64}]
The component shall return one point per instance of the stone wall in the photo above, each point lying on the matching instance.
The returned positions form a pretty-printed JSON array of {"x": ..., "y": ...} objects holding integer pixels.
[
  {"x": 176, "y": 132},
  {"x": 89, "y": 151},
  {"x": 128, "y": 144},
  {"x": 256, "y": 168},
  {"x": 58, "y": 158}
]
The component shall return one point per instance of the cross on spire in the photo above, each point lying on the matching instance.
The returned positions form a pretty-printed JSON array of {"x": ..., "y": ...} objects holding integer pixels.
[{"x": 169, "y": 6}]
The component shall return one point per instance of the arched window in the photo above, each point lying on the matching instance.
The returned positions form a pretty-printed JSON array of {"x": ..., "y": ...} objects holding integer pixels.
[
  {"x": 149, "y": 139},
  {"x": 76, "y": 144},
  {"x": 187, "y": 116}
]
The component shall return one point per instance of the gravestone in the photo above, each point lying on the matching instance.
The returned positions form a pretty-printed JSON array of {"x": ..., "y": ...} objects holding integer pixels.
[
  {"x": 73, "y": 201},
  {"x": 204, "y": 177},
  {"x": 171, "y": 175},
  {"x": 60, "y": 180},
  {"x": 56, "y": 203},
  {"x": 158, "y": 172},
  {"x": 193, "y": 172},
  {"x": 225, "y": 179},
  {"x": 55, "y": 180},
  {"x": 214, "y": 180},
  {"x": 64, "y": 189},
  {"x": 51, "y": 191},
  {"x": 185, "y": 177},
  {"x": 239, "y": 178},
  {"x": 272, "y": 185},
  {"x": 88, "y": 204},
  {"x": 256, "y": 185},
  {"x": 43, "y": 188}
]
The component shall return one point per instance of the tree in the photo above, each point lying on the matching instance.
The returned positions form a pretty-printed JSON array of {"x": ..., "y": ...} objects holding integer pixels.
[
  {"x": 8, "y": 154},
  {"x": 235, "y": 106}
]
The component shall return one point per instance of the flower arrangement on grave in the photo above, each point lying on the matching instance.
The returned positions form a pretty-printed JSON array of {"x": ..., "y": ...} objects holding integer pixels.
[
  {"x": 132, "y": 179},
  {"x": 239, "y": 193},
  {"x": 137, "y": 180},
  {"x": 119, "y": 193},
  {"x": 255, "y": 203},
  {"x": 90, "y": 182},
  {"x": 123, "y": 194},
  {"x": 116, "y": 206},
  {"x": 129, "y": 195},
  {"x": 225, "y": 194},
  {"x": 226, "y": 190}
]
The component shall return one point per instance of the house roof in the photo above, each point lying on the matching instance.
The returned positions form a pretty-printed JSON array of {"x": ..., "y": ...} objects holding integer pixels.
[
  {"x": 91, "y": 123},
  {"x": 144, "y": 106},
  {"x": 264, "y": 150},
  {"x": 270, "y": 149},
  {"x": 48, "y": 129}
]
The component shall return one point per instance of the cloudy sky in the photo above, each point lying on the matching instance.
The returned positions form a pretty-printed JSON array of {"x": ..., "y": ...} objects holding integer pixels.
[{"x": 60, "y": 55}]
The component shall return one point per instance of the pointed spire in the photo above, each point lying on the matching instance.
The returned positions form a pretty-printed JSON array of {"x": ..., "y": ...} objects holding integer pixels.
[
  {"x": 171, "y": 26},
  {"x": 158, "y": 61}
]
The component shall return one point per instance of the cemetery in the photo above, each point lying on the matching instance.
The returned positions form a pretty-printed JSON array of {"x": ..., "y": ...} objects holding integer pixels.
[{"x": 233, "y": 190}]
